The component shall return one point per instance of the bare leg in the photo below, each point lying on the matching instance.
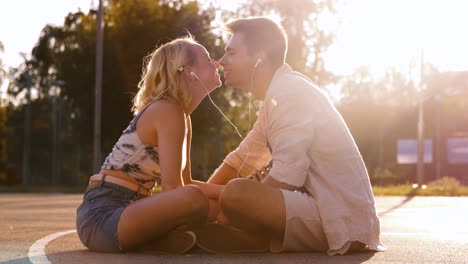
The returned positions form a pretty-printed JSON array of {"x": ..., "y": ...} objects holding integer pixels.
[
  {"x": 214, "y": 210},
  {"x": 150, "y": 218},
  {"x": 257, "y": 213},
  {"x": 254, "y": 207}
]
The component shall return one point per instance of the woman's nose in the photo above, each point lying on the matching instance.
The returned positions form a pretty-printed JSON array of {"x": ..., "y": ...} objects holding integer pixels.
[{"x": 217, "y": 64}]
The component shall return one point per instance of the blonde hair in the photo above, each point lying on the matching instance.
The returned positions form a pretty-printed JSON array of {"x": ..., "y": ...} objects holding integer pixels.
[{"x": 163, "y": 76}]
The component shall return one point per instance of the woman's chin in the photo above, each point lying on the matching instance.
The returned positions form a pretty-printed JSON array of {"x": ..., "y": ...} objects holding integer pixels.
[
  {"x": 219, "y": 84},
  {"x": 212, "y": 88}
]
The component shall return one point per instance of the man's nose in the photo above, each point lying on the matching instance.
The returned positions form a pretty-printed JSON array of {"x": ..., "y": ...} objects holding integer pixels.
[{"x": 217, "y": 64}]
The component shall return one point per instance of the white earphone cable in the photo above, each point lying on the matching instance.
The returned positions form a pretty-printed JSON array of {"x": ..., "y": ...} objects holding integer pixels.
[
  {"x": 232, "y": 124},
  {"x": 208, "y": 93},
  {"x": 250, "y": 118}
]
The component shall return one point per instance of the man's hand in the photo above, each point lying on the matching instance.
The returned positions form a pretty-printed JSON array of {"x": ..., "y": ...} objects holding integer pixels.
[
  {"x": 261, "y": 174},
  {"x": 280, "y": 185}
]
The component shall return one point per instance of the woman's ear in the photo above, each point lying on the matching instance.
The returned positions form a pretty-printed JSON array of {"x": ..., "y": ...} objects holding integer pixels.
[{"x": 188, "y": 73}]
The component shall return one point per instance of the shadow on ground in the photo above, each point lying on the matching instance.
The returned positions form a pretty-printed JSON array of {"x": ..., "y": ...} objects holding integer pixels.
[
  {"x": 197, "y": 256},
  {"x": 408, "y": 198}
]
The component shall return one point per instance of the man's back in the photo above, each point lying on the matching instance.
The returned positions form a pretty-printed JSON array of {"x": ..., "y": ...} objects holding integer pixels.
[{"x": 313, "y": 148}]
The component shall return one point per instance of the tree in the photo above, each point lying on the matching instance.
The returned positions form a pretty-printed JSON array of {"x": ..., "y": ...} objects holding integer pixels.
[
  {"x": 2, "y": 71},
  {"x": 64, "y": 58},
  {"x": 379, "y": 111},
  {"x": 3, "y": 121},
  {"x": 306, "y": 40}
]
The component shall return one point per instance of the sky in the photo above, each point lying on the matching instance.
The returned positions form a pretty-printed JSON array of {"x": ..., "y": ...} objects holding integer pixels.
[
  {"x": 383, "y": 33},
  {"x": 377, "y": 33}
]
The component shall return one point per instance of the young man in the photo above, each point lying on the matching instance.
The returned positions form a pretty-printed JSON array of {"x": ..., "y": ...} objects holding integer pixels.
[{"x": 316, "y": 196}]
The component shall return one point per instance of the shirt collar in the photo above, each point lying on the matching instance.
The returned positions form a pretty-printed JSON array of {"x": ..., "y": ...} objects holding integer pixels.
[{"x": 282, "y": 70}]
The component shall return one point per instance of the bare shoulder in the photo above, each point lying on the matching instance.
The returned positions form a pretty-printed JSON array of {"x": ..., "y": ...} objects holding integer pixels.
[{"x": 166, "y": 113}]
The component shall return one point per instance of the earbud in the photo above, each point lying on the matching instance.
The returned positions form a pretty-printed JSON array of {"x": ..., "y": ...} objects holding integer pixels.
[
  {"x": 194, "y": 75},
  {"x": 258, "y": 62}
]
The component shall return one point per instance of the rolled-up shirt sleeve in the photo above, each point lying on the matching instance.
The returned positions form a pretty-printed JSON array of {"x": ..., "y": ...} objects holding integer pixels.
[
  {"x": 252, "y": 153},
  {"x": 291, "y": 132}
]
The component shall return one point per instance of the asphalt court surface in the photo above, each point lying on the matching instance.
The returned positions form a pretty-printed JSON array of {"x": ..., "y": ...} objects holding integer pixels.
[{"x": 39, "y": 228}]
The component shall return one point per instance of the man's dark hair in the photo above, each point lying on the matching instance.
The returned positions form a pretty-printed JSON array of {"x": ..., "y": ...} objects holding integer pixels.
[{"x": 261, "y": 33}]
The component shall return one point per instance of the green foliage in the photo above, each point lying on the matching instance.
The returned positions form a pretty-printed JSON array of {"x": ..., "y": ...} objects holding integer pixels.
[
  {"x": 63, "y": 64},
  {"x": 3, "y": 120},
  {"x": 393, "y": 190},
  {"x": 3, "y": 142},
  {"x": 378, "y": 111},
  {"x": 2, "y": 70},
  {"x": 306, "y": 40},
  {"x": 445, "y": 186},
  {"x": 65, "y": 54},
  {"x": 393, "y": 89},
  {"x": 385, "y": 176}
]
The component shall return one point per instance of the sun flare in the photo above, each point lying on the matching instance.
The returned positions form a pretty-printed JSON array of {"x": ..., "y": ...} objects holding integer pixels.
[{"x": 382, "y": 33}]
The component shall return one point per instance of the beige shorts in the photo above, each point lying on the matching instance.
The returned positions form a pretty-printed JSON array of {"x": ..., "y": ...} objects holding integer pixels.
[{"x": 303, "y": 231}]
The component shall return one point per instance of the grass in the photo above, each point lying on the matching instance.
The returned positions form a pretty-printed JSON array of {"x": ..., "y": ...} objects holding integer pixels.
[{"x": 445, "y": 186}]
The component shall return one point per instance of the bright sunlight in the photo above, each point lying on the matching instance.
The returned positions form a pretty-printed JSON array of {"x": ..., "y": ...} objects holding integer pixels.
[{"x": 381, "y": 33}]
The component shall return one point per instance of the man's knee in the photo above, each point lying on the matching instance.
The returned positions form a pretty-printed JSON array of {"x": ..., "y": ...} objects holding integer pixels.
[{"x": 235, "y": 195}]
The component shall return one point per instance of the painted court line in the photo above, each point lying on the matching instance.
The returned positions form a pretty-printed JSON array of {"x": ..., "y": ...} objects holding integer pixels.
[
  {"x": 37, "y": 255},
  {"x": 433, "y": 235},
  {"x": 36, "y": 252}
]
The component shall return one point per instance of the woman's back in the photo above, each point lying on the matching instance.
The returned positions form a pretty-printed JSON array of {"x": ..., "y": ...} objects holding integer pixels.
[{"x": 130, "y": 155}]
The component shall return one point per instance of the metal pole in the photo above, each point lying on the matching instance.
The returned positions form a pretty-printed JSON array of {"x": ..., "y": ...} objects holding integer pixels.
[
  {"x": 438, "y": 145},
  {"x": 54, "y": 138},
  {"x": 98, "y": 95},
  {"x": 420, "y": 168},
  {"x": 27, "y": 133}
]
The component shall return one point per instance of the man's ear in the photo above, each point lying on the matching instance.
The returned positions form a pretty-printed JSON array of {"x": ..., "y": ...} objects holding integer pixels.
[{"x": 261, "y": 58}]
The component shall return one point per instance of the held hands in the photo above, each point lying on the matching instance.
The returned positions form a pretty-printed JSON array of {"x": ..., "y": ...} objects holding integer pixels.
[{"x": 261, "y": 174}]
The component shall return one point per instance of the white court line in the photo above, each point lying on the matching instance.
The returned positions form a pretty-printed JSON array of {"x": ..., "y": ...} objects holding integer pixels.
[
  {"x": 445, "y": 236},
  {"x": 36, "y": 252},
  {"x": 37, "y": 255}
]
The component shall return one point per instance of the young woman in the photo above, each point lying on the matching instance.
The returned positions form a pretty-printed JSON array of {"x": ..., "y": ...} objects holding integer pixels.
[{"x": 118, "y": 213}]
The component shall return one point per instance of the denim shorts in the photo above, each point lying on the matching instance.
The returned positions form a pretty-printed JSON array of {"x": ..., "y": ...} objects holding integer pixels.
[{"x": 98, "y": 215}]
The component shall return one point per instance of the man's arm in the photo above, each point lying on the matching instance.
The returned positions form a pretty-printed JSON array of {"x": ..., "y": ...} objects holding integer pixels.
[
  {"x": 292, "y": 123},
  {"x": 251, "y": 154},
  {"x": 262, "y": 175},
  {"x": 223, "y": 174},
  {"x": 276, "y": 184}
]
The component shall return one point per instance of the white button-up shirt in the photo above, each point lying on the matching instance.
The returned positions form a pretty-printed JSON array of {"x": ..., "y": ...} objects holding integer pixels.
[{"x": 300, "y": 130}]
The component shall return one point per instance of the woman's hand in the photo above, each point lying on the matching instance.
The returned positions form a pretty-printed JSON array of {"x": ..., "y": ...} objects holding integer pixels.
[{"x": 211, "y": 191}]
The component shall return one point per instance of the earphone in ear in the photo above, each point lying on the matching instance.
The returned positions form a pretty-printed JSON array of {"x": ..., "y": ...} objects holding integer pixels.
[
  {"x": 258, "y": 62},
  {"x": 194, "y": 75}
]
